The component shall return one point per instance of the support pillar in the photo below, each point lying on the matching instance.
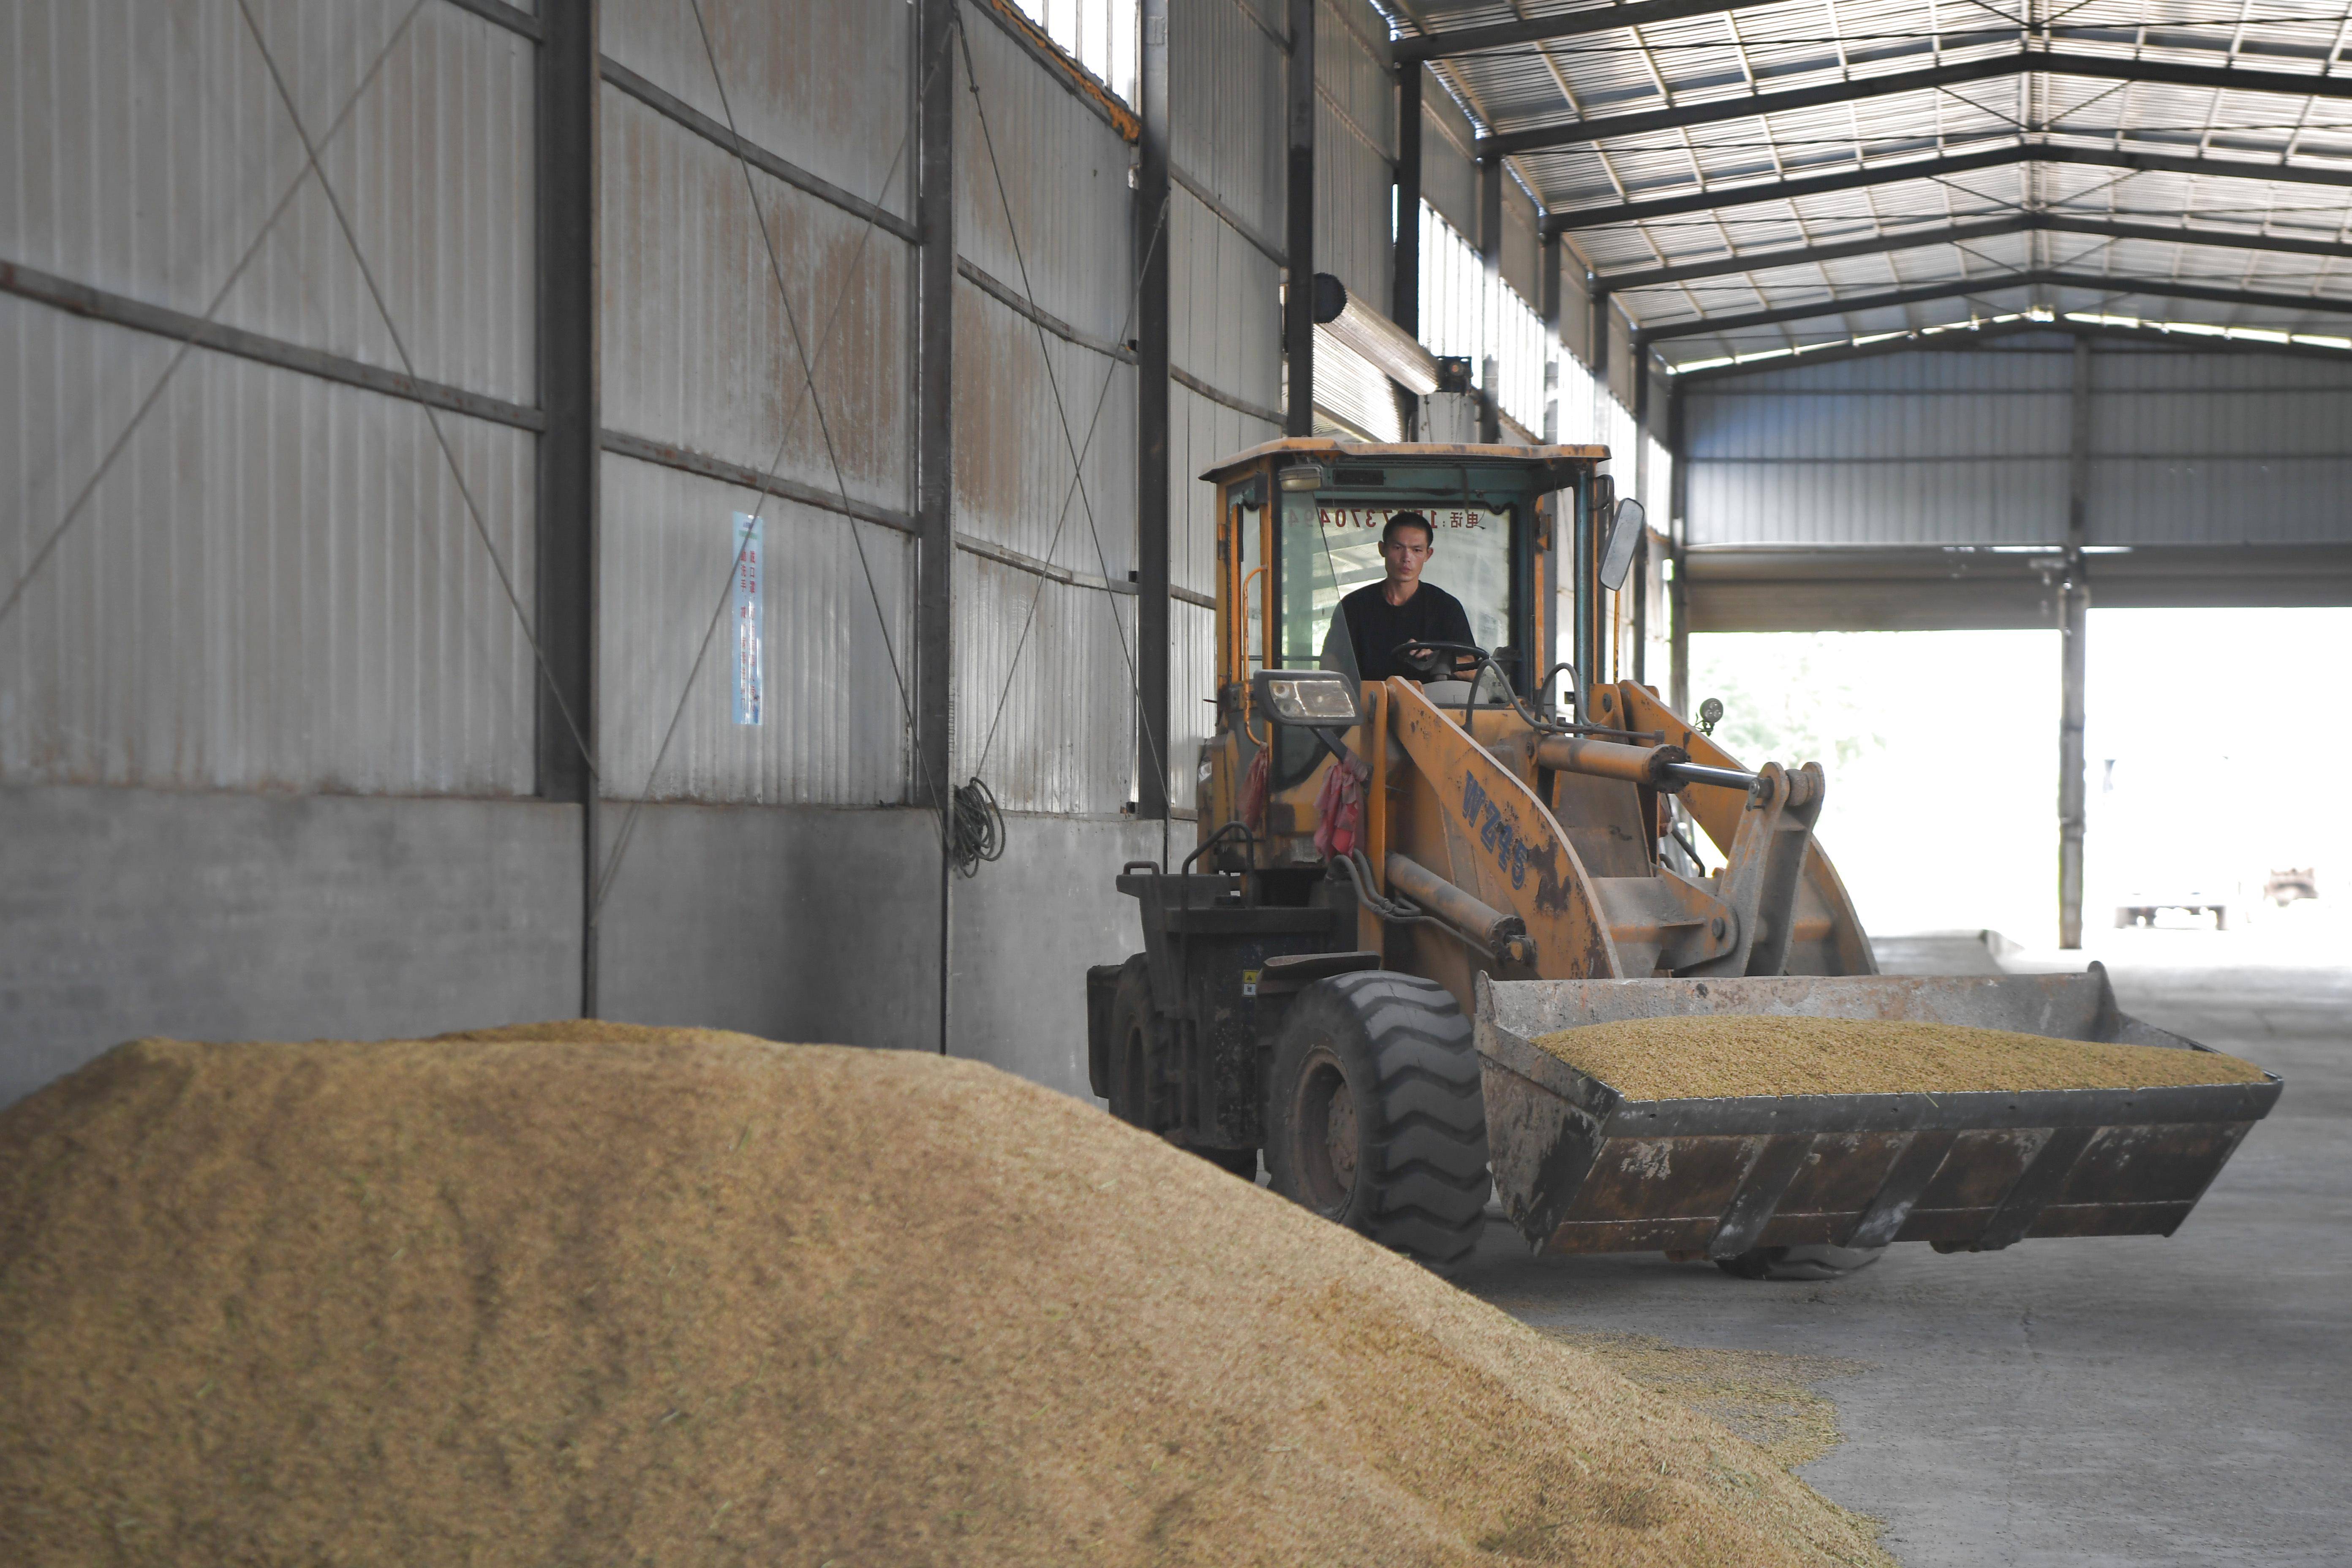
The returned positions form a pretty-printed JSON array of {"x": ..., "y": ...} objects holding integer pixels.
[
  {"x": 1299, "y": 240},
  {"x": 935, "y": 27},
  {"x": 1490, "y": 253},
  {"x": 1151, "y": 247},
  {"x": 2073, "y": 613},
  {"x": 564, "y": 587},
  {"x": 1599, "y": 297},
  {"x": 1677, "y": 532},
  {"x": 1548, "y": 272}
]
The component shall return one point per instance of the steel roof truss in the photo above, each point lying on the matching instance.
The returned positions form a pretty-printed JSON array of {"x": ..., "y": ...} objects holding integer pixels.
[
  {"x": 1939, "y": 168},
  {"x": 1962, "y": 233},
  {"x": 1960, "y": 288},
  {"x": 1964, "y": 338},
  {"x": 1984, "y": 68}
]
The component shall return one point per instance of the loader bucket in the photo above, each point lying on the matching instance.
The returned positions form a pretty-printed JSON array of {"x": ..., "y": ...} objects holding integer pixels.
[{"x": 1578, "y": 1167}]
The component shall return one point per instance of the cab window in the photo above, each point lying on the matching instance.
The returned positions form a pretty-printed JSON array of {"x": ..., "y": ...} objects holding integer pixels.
[{"x": 1330, "y": 549}]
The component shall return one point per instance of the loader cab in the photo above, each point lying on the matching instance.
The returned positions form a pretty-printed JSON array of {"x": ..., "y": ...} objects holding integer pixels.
[{"x": 1300, "y": 524}]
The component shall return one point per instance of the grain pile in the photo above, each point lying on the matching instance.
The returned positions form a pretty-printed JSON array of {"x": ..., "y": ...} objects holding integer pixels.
[
  {"x": 1726, "y": 1054},
  {"x": 581, "y": 1294}
]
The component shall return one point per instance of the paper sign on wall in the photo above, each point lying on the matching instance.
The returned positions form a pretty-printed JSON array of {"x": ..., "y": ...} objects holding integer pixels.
[{"x": 746, "y": 540}]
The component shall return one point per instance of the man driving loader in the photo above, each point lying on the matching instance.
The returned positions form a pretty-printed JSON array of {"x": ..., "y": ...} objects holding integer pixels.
[{"x": 1401, "y": 608}]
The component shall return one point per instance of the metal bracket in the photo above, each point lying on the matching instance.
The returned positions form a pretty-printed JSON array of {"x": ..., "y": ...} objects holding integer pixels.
[
  {"x": 1668, "y": 921},
  {"x": 1766, "y": 869}
]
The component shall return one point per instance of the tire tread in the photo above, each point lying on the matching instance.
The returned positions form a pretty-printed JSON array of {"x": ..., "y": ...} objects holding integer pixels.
[{"x": 1427, "y": 1150}]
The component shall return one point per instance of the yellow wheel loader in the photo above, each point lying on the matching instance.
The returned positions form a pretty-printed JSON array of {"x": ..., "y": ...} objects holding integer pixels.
[{"x": 1399, "y": 884}]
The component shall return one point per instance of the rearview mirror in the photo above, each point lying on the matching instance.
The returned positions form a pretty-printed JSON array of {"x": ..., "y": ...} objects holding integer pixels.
[
  {"x": 1625, "y": 536},
  {"x": 1311, "y": 699}
]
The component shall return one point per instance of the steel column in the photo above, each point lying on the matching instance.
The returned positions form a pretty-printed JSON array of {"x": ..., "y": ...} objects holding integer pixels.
[
  {"x": 1598, "y": 292},
  {"x": 1490, "y": 254},
  {"x": 936, "y": 79},
  {"x": 1299, "y": 292},
  {"x": 2074, "y": 602},
  {"x": 564, "y": 587},
  {"x": 1677, "y": 532},
  {"x": 1150, "y": 246},
  {"x": 1548, "y": 270}
]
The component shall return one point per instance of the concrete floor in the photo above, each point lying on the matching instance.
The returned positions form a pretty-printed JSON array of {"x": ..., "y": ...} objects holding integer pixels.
[{"x": 2126, "y": 1400}]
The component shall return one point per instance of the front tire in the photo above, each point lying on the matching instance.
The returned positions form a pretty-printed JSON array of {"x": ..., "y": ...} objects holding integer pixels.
[{"x": 1375, "y": 1115}]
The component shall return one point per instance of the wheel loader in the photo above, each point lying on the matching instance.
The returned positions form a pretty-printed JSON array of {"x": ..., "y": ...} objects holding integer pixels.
[{"x": 1399, "y": 884}]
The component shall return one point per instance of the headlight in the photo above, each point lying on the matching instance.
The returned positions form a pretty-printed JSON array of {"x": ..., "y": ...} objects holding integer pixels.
[{"x": 1319, "y": 698}]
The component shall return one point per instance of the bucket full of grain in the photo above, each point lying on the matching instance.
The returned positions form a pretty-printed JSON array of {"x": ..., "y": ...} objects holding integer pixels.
[{"x": 1720, "y": 1116}]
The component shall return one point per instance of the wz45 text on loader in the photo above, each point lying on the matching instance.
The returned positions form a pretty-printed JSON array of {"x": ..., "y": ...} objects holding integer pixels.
[{"x": 1313, "y": 995}]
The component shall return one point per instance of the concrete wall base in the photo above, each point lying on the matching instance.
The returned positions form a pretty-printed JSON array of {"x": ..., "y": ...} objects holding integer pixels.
[{"x": 232, "y": 916}]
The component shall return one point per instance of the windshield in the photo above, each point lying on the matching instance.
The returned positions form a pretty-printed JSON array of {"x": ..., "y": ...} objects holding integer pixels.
[{"x": 1330, "y": 550}]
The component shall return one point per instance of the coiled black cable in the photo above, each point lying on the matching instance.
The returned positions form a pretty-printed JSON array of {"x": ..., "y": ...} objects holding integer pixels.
[{"x": 977, "y": 827}]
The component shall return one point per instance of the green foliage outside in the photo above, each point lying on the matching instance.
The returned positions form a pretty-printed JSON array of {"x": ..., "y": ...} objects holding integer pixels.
[{"x": 1791, "y": 698}]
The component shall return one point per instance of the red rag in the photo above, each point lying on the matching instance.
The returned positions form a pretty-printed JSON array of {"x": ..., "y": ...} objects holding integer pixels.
[{"x": 1339, "y": 809}]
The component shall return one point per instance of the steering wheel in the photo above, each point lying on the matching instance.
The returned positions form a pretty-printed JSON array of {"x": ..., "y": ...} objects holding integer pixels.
[{"x": 1427, "y": 660}]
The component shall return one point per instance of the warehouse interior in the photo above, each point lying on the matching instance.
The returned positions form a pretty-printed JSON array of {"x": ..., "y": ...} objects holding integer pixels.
[{"x": 700, "y": 513}]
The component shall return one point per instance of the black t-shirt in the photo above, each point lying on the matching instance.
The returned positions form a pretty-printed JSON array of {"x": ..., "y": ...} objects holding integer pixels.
[{"x": 1432, "y": 615}]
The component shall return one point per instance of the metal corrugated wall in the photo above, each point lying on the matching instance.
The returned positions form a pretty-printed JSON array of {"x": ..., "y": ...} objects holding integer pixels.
[
  {"x": 701, "y": 355},
  {"x": 1224, "y": 84},
  {"x": 834, "y": 730},
  {"x": 1226, "y": 76},
  {"x": 698, "y": 351},
  {"x": 1063, "y": 715},
  {"x": 1971, "y": 447},
  {"x": 1355, "y": 147},
  {"x": 1942, "y": 448},
  {"x": 2190, "y": 448},
  {"x": 1449, "y": 178},
  {"x": 822, "y": 83},
  {"x": 277, "y": 584},
  {"x": 372, "y": 648},
  {"x": 147, "y": 148}
]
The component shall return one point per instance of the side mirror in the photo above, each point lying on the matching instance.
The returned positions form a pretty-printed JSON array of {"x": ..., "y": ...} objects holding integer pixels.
[
  {"x": 1309, "y": 698},
  {"x": 1624, "y": 537}
]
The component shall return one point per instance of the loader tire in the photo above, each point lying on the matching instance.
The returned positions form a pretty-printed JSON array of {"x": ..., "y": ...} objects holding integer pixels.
[
  {"x": 1375, "y": 1116},
  {"x": 1134, "y": 1037},
  {"x": 1800, "y": 1262}
]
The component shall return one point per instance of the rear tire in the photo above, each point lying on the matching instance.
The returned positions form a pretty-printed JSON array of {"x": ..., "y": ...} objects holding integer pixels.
[
  {"x": 1376, "y": 1117},
  {"x": 1134, "y": 1033},
  {"x": 1800, "y": 1262}
]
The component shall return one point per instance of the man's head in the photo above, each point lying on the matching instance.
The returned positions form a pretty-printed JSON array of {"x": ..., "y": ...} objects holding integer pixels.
[{"x": 1405, "y": 544}]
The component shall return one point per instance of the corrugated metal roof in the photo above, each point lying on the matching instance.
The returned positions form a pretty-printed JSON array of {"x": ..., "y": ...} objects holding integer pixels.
[{"x": 1774, "y": 49}]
